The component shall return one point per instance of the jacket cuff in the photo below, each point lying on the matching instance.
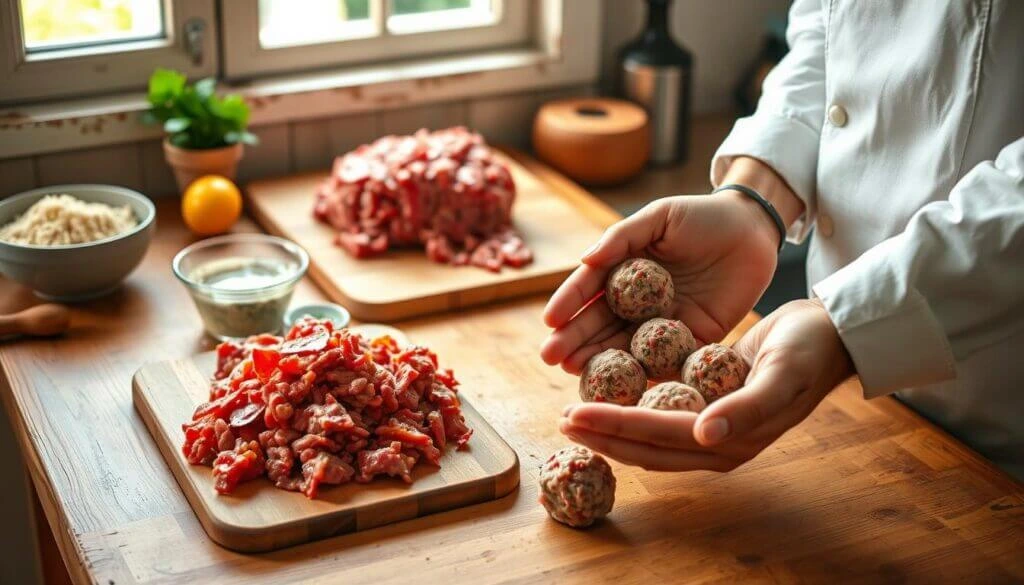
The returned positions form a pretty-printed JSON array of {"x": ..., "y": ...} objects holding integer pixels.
[
  {"x": 890, "y": 331},
  {"x": 788, "y": 146}
]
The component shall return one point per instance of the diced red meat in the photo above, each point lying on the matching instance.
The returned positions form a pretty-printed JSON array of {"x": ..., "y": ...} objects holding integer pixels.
[
  {"x": 232, "y": 467},
  {"x": 385, "y": 461},
  {"x": 204, "y": 438},
  {"x": 444, "y": 190},
  {"x": 324, "y": 468},
  {"x": 307, "y": 409}
]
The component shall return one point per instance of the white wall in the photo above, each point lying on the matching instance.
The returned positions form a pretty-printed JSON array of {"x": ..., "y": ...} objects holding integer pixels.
[{"x": 725, "y": 36}]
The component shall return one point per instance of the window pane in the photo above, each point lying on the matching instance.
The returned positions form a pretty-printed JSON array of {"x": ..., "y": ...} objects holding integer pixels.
[
  {"x": 287, "y": 23},
  {"x": 417, "y": 6},
  {"x": 411, "y": 16},
  {"x": 59, "y": 24}
]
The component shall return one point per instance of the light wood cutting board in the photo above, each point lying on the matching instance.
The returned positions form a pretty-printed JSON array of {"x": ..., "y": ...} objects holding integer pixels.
[
  {"x": 558, "y": 223},
  {"x": 259, "y": 517}
]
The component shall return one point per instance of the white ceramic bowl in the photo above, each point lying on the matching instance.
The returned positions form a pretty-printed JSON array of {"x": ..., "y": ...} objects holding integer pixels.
[{"x": 77, "y": 272}]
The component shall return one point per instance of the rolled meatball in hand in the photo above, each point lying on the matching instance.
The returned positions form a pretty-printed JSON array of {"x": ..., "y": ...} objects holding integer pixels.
[
  {"x": 673, "y": 396},
  {"x": 577, "y": 486},
  {"x": 662, "y": 346},
  {"x": 613, "y": 376},
  {"x": 715, "y": 370},
  {"x": 639, "y": 289}
]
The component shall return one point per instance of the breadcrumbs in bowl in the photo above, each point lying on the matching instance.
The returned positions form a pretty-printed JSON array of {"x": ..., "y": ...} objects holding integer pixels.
[{"x": 71, "y": 272}]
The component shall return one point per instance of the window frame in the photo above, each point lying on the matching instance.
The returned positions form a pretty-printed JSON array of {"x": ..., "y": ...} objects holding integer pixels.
[
  {"x": 565, "y": 51},
  {"x": 118, "y": 66},
  {"x": 245, "y": 59}
]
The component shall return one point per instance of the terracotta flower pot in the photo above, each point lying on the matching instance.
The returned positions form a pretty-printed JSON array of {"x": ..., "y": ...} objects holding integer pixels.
[{"x": 188, "y": 165}]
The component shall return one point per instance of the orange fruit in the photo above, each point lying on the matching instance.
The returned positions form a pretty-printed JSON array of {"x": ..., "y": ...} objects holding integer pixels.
[{"x": 211, "y": 205}]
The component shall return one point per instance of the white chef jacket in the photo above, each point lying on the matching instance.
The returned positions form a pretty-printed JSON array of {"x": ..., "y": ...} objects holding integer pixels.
[{"x": 901, "y": 127}]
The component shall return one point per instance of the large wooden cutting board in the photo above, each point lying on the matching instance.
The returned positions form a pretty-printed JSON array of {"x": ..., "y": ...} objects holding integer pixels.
[
  {"x": 558, "y": 224},
  {"x": 259, "y": 517}
]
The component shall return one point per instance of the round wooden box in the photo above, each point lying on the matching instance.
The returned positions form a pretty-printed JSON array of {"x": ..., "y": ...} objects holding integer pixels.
[{"x": 594, "y": 141}]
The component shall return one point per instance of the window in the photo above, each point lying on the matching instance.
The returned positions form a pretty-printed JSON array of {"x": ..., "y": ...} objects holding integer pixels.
[
  {"x": 55, "y": 48},
  {"x": 52, "y": 25},
  {"x": 306, "y": 58},
  {"x": 271, "y": 36}
]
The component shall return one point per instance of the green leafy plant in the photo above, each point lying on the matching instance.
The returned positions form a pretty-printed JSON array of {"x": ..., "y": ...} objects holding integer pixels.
[{"x": 193, "y": 116}]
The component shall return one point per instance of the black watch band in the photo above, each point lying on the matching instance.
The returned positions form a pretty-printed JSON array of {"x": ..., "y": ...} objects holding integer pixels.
[{"x": 764, "y": 203}]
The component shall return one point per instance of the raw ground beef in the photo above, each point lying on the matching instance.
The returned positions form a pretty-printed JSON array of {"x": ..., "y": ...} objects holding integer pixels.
[
  {"x": 444, "y": 190},
  {"x": 613, "y": 376},
  {"x": 320, "y": 406},
  {"x": 577, "y": 486},
  {"x": 715, "y": 370}
]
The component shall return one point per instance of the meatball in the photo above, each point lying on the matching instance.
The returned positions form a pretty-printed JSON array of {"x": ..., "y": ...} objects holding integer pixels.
[
  {"x": 661, "y": 346},
  {"x": 715, "y": 370},
  {"x": 577, "y": 486},
  {"x": 613, "y": 376},
  {"x": 639, "y": 289},
  {"x": 673, "y": 396}
]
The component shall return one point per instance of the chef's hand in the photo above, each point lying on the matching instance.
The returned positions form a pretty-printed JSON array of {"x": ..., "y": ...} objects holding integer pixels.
[
  {"x": 797, "y": 359},
  {"x": 721, "y": 250}
]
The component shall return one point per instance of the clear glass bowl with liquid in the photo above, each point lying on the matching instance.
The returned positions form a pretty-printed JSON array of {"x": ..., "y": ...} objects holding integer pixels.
[{"x": 241, "y": 283}]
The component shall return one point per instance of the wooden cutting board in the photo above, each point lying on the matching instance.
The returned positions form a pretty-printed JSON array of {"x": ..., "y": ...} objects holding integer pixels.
[
  {"x": 555, "y": 219},
  {"x": 259, "y": 517}
]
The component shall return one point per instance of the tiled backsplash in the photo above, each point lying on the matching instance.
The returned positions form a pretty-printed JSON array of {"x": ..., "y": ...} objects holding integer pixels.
[{"x": 284, "y": 148}]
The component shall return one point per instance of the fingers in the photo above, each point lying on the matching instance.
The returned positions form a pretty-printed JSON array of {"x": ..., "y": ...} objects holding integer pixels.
[
  {"x": 648, "y": 456},
  {"x": 769, "y": 392},
  {"x": 617, "y": 338},
  {"x": 645, "y": 425},
  {"x": 573, "y": 295},
  {"x": 585, "y": 328},
  {"x": 628, "y": 236}
]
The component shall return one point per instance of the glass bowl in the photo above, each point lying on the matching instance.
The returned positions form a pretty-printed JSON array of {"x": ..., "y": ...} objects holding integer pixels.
[{"x": 241, "y": 283}]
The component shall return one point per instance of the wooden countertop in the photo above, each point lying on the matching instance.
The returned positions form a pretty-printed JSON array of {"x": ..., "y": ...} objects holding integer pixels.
[{"x": 860, "y": 491}]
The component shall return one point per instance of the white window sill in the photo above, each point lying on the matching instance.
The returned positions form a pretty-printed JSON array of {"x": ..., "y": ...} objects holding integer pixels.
[{"x": 67, "y": 125}]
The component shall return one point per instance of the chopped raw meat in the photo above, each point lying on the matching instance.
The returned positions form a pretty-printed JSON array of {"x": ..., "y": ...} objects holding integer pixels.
[
  {"x": 444, "y": 190},
  {"x": 310, "y": 408},
  {"x": 324, "y": 468},
  {"x": 242, "y": 463},
  {"x": 385, "y": 461}
]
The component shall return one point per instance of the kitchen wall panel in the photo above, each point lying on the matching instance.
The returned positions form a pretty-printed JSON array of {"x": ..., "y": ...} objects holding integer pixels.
[
  {"x": 725, "y": 37},
  {"x": 315, "y": 143},
  {"x": 115, "y": 165},
  {"x": 16, "y": 174}
]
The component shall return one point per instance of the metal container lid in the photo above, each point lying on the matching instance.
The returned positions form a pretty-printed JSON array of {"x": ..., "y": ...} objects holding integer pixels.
[{"x": 336, "y": 314}]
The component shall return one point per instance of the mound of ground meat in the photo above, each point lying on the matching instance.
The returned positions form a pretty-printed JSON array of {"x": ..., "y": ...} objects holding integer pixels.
[
  {"x": 661, "y": 346},
  {"x": 672, "y": 396},
  {"x": 639, "y": 289},
  {"x": 577, "y": 486},
  {"x": 612, "y": 376},
  {"x": 444, "y": 190},
  {"x": 715, "y": 370},
  {"x": 320, "y": 406}
]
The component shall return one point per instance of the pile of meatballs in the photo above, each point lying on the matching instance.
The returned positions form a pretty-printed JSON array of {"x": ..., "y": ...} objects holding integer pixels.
[{"x": 577, "y": 486}]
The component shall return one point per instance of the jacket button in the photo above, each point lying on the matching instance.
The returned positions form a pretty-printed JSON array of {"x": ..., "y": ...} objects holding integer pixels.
[
  {"x": 825, "y": 225},
  {"x": 837, "y": 115}
]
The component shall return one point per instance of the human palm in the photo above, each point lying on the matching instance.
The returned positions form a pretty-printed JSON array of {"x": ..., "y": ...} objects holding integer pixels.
[{"x": 717, "y": 248}]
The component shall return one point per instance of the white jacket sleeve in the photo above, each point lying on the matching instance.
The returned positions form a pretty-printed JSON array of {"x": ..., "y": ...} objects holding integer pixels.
[
  {"x": 951, "y": 284},
  {"x": 785, "y": 130}
]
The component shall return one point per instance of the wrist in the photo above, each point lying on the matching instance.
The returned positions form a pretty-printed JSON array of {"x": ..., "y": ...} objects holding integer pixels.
[
  {"x": 842, "y": 365},
  {"x": 760, "y": 177},
  {"x": 759, "y": 219}
]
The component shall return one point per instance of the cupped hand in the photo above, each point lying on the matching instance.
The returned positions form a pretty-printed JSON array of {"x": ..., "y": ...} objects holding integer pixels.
[
  {"x": 720, "y": 250},
  {"x": 797, "y": 359}
]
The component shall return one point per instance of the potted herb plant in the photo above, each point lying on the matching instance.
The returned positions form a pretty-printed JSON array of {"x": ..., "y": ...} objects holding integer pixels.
[{"x": 205, "y": 133}]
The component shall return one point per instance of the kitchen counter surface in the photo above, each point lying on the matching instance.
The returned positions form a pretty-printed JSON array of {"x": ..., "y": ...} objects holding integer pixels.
[{"x": 860, "y": 491}]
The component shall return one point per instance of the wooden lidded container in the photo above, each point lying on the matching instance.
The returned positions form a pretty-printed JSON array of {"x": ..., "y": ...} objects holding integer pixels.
[{"x": 594, "y": 141}]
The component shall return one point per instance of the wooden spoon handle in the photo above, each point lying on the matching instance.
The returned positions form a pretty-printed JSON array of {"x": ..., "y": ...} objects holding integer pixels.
[{"x": 46, "y": 319}]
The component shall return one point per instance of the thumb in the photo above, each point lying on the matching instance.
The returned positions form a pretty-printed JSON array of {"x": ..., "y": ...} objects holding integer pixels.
[
  {"x": 628, "y": 236},
  {"x": 770, "y": 390}
]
